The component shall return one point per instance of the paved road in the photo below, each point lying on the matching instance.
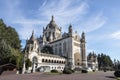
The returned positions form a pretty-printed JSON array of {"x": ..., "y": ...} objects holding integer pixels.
[{"x": 75, "y": 76}]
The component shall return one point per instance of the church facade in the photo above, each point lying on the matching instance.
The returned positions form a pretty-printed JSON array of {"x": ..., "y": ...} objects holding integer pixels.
[{"x": 69, "y": 49}]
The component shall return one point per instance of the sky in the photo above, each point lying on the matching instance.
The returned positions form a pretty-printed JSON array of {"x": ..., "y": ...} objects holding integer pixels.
[{"x": 99, "y": 19}]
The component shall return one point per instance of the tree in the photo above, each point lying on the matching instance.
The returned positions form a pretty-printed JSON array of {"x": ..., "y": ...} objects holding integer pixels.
[
  {"x": 116, "y": 64},
  {"x": 104, "y": 61},
  {"x": 89, "y": 56},
  {"x": 5, "y": 52},
  {"x": 9, "y": 45},
  {"x": 28, "y": 63},
  {"x": 47, "y": 49},
  {"x": 10, "y": 35}
]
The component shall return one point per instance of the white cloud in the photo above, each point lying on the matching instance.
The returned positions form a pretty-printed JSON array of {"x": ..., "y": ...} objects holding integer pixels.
[
  {"x": 115, "y": 35},
  {"x": 65, "y": 11},
  {"x": 26, "y": 31},
  {"x": 93, "y": 22},
  {"x": 27, "y": 25},
  {"x": 71, "y": 12}
]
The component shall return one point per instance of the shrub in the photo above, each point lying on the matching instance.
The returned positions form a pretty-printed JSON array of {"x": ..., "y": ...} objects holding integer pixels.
[
  {"x": 72, "y": 71},
  {"x": 93, "y": 70},
  {"x": 105, "y": 70},
  {"x": 1, "y": 70},
  {"x": 28, "y": 63},
  {"x": 84, "y": 71},
  {"x": 117, "y": 73},
  {"x": 67, "y": 71},
  {"x": 54, "y": 71}
]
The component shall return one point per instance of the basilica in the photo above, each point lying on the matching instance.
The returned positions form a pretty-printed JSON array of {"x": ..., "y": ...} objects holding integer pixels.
[{"x": 68, "y": 49}]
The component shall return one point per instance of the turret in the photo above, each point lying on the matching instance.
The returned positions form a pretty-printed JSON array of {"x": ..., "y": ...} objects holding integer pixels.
[
  {"x": 52, "y": 30},
  {"x": 83, "y": 37},
  {"x": 44, "y": 38},
  {"x": 70, "y": 29},
  {"x": 83, "y": 50},
  {"x": 52, "y": 18},
  {"x": 32, "y": 36},
  {"x": 43, "y": 29}
]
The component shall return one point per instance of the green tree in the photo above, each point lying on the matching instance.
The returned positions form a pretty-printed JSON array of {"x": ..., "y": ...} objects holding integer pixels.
[
  {"x": 9, "y": 45},
  {"x": 104, "y": 61},
  {"x": 28, "y": 63},
  {"x": 47, "y": 49},
  {"x": 10, "y": 35},
  {"x": 116, "y": 64},
  {"x": 5, "y": 52},
  {"x": 89, "y": 55}
]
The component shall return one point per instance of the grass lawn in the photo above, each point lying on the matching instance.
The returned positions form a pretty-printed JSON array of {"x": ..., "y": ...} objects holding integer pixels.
[{"x": 118, "y": 78}]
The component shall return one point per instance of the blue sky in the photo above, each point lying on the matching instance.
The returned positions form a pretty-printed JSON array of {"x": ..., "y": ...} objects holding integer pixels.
[{"x": 99, "y": 19}]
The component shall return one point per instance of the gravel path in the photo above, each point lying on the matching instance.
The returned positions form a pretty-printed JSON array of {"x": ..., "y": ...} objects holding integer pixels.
[{"x": 76, "y": 76}]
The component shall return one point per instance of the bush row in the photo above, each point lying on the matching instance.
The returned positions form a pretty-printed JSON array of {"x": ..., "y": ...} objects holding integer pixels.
[
  {"x": 84, "y": 71},
  {"x": 54, "y": 71},
  {"x": 68, "y": 71},
  {"x": 117, "y": 73}
]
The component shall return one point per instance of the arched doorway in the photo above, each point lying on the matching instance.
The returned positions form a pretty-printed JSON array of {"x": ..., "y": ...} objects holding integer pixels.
[
  {"x": 77, "y": 59},
  {"x": 34, "y": 63}
]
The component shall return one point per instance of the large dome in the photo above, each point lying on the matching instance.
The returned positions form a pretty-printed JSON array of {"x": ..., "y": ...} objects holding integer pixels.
[{"x": 52, "y": 24}]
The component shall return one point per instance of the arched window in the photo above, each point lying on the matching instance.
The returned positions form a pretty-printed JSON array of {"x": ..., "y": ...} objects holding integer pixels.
[
  {"x": 59, "y": 61},
  {"x": 55, "y": 61},
  {"x": 52, "y": 61},
  {"x": 56, "y": 49},
  {"x": 35, "y": 60},
  {"x": 46, "y": 60},
  {"x": 60, "y": 51},
  {"x": 59, "y": 44},
  {"x": 43, "y": 60},
  {"x": 49, "y": 61},
  {"x": 64, "y": 47}
]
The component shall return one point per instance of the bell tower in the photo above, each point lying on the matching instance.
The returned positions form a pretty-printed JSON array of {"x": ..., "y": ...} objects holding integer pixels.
[
  {"x": 70, "y": 30},
  {"x": 83, "y": 50}
]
